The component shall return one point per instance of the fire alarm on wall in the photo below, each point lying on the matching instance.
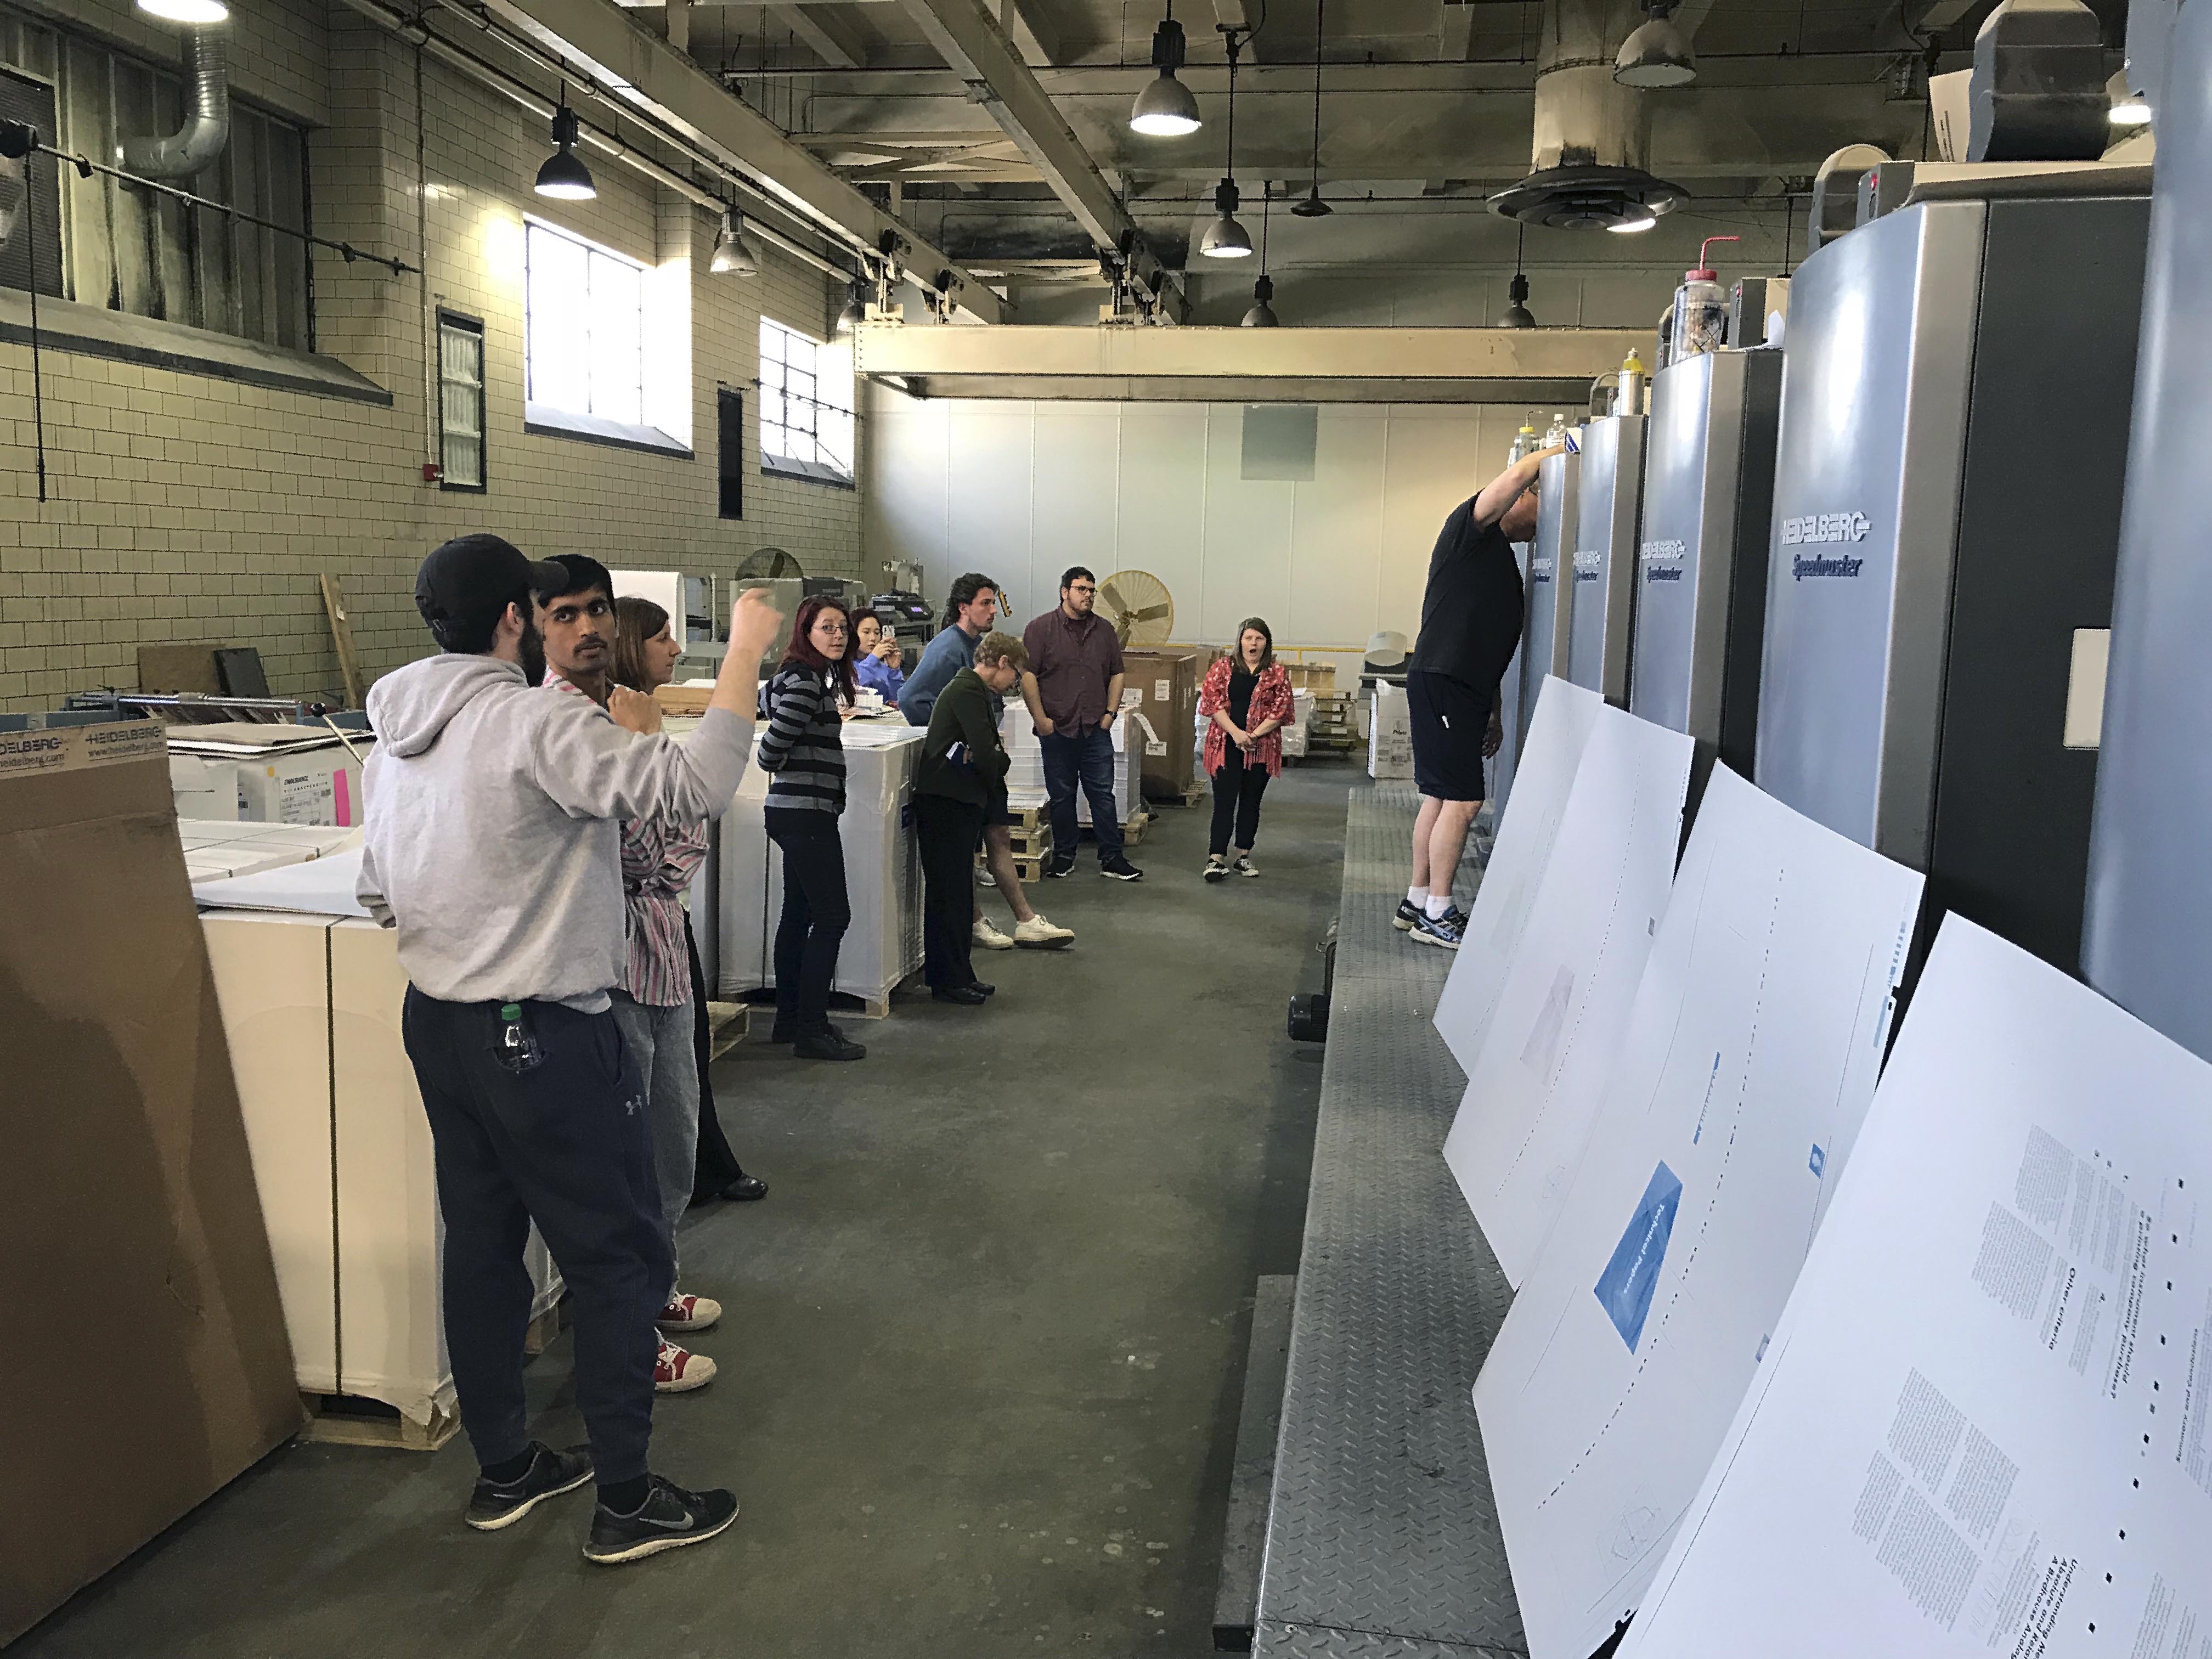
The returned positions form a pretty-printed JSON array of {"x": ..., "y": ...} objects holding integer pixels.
[{"x": 432, "y": 473}]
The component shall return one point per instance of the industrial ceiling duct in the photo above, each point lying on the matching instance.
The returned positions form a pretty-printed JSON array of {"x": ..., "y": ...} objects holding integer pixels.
[
  {"x": 2037, "y": 90},
  {"x": 1592, "y": 133},
  {"x": 194, "y": 146}
]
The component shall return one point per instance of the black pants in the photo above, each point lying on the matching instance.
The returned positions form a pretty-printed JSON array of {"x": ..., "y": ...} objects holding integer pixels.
[
  {"x": 563, "y": 1144},
  {"x": 815, "y": 914},
  {"x": 716, "y": 1166},
  {"x": 1237, "y": 787},
  {"x": 948, "y": 830}
]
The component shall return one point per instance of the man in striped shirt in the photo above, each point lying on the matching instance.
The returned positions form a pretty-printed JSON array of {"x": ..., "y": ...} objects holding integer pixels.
[{"x": 653, "y": 1005}]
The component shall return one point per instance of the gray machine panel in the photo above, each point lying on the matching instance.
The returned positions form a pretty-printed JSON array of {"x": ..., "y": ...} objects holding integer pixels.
[
  {"x": 1551, "y": 596},
  {"x": 1708, "y": 498},
  {"x": 1874, "y": 414},
  {"x": 1604, "y": 606},
  {"x": 2146, "y": 942},
  {"x": 1503, "y": 764},
  {"x": 1954, "y": 422}
]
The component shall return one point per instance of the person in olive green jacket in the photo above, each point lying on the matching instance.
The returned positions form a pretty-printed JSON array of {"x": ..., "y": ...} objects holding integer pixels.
[{"x": 962, "y": 765}]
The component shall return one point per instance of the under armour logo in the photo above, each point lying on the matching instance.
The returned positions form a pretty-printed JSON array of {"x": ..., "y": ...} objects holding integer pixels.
[{"x": 631, "y": 1107}]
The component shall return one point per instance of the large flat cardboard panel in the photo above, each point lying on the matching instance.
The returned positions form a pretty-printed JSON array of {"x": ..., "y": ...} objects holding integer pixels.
[
  {"x": 129, "y": 1178},
  {"x": 1336, "y": 536},
  {"x": 1980, "y": 1426},
  {"x": 1526, "y": 829},
  {"x": 1533, "y": 1091},
  {"x": 272, "y": 979},
  {"x": 1751, "y": 1057}
]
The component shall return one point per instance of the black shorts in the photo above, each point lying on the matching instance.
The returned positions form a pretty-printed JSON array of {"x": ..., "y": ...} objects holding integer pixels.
[{"x": 1449, "y": 719}]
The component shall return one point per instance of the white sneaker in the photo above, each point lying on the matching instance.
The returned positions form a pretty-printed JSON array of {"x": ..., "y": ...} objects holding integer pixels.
[
  {"x": 988, "y": 937},
  {"x": 1038, "y": 934}
]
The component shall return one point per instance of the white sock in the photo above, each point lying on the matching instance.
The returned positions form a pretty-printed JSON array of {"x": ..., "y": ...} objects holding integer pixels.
[
  {"x": 1417, "y": 896},
  {"x": 1437, "y": 907}
]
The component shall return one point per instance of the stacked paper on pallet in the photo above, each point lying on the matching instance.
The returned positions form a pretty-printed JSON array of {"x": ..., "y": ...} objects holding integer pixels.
[{"x": 1026, "y": 771}]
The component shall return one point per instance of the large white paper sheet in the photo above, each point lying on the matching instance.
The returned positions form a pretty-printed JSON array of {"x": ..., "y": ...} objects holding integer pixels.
[
  {"x": 1981, "y": 1426},
  {"x": 1533, "y": 1091},
  {"x": 1751, "y": 1055},
  {"x": 320, "y": 887},
  {"x": 1525, "y": 829}
]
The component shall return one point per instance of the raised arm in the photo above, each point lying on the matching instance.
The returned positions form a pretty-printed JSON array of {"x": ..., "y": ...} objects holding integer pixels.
[{"x": 1508, "y": 486}]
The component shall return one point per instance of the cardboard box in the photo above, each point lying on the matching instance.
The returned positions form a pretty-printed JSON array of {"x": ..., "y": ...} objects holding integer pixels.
[
  {"x": 1389, "y": 734},
  {"x": 317, "y": 784},
  {"x": 1167, "y": 682},
  {"x": 128, "y": 1213},
  {"x": 341, "y": 1154}
]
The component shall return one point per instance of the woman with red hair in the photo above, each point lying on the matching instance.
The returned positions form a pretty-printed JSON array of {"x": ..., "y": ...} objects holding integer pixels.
[{"x": 804, "y": 756}]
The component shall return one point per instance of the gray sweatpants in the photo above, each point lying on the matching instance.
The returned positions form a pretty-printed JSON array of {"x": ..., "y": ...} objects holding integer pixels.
[{"x": 658, "y": 1040}]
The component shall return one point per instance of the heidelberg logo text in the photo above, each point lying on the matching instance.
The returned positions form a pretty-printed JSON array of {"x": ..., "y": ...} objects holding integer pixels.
[{"x": 1825, "y": 529}]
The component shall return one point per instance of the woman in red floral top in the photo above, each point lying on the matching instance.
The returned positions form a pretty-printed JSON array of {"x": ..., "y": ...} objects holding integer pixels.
[{"x": 1246, "y": 697}]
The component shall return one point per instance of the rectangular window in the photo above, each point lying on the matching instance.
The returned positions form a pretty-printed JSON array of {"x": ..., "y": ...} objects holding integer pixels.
[
  {"x": 730, "y": 452},
  {"x": 460, "y": 402},
  {"x": 127, "y": 248},
  {"x": 807, "y": 406},
  {"x": 583, "y": 318}
]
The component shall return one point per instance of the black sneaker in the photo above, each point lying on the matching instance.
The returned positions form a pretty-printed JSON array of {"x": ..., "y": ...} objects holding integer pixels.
[
  {"x": 1120, "y": 869},
  {"x": 1059, "y": 869},
  {"x": 1216, "y": 869},
  {"x": 669, "y": 1518},
  {"x": 828, "y": 1043},
  {"x": 496, "y": 1504},
  {"x": 1408, "y": 917},
  {"x": 1445, "y": 930}
]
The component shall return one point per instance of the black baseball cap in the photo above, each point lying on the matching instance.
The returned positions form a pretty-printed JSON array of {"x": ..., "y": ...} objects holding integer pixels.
[{"x": 469, "y": 579}]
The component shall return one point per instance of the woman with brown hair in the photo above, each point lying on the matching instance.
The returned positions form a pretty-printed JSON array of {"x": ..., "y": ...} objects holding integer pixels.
[
  {"x": 1246, "y": 698},
  {"x": 805, "y": 755}
]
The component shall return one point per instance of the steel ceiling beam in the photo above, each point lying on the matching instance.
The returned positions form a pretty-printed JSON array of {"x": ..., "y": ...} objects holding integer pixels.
[
  {"x": 637, "y": 67},
  {"x": 970, "y": 41}
]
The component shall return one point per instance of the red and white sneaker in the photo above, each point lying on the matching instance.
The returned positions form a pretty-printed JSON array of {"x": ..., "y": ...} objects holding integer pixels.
[
  {"x": 678, "y": 1370},
  {"x": 689, "y": 1313}
]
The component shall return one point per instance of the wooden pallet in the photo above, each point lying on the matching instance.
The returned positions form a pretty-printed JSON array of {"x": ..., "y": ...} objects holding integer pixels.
[
  {"x": 1028, "y": 843},
  {"x": 727, "y": 1025},
  {"x": 1027, "y": 871},
  {"x": 344, "y": 1419},
  {"x": 843, "y": 1003}
]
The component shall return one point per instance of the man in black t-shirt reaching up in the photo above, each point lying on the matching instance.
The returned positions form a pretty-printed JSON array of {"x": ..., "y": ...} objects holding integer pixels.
[{"x": 1470, "y": 626}]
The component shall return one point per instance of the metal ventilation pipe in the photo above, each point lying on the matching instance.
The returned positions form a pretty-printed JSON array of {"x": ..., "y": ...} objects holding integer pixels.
[
  {"x": 1584, "y": 117},
  {"x": 193, "y": 146}
]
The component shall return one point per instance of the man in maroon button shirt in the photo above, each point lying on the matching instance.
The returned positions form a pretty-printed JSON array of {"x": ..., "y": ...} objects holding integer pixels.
[{"x": 1073, "y": 688}]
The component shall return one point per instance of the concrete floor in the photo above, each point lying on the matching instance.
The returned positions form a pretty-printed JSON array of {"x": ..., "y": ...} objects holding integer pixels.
[{"x": 981, "y": 1368}]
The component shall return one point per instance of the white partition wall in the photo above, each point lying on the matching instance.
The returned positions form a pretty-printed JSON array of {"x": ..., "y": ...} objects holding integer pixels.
[
  {"x": 1751, "y": 1054},
  {"x": 1534, "y": 1090},
  {"x": 1021, "y": 490},
  {"x": 1980, "y": 1427}
]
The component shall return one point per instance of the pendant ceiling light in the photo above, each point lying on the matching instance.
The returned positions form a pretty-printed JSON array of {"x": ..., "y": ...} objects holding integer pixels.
[
  {"x": 186, "y": 11},
  {"x": 1518, "y": 314},
  {"x": 1313, "y": 207},
  {"x": 1656, "y": 54},
  {"x": 564, "y": 176},
  {"x": 1165, "y": 109},
  {"x": 1224, "y": 238},
  {"x": 734, "y": 255},
  {"x": 1263, "y": 315}
]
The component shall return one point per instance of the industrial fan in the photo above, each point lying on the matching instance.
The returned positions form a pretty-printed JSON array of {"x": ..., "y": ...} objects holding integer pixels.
[
  {"x": 770, "y": 564},
  {"x": 1139, "y": 605}
]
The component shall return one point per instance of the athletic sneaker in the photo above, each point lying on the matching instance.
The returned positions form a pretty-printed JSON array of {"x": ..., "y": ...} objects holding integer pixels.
[
  {"x": 669, "y": 1518},
  {"x": 1216, "y": 869},
  {"x": 988, "y": 937},
  {"x": 678, "y": 1370},
  {"x": 1120, "y": 869},
  {"x": 689, "y": 1313},
  {"x": 1444, "y": 930},
  {"x": 496, "y": 1504},
  {"x": 1408, "y": 916},
  {"x": 1059, "y": 867},
  {"x": 1040, "y": 933},
  {"x": 1243, "y": 867}
]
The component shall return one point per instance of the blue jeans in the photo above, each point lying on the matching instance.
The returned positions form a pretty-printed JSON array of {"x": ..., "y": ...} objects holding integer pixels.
[{"x": 1090, "y": 758}]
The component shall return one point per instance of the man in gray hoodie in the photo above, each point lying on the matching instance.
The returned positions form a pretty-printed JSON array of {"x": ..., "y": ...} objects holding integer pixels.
[{"x": 492, "y": 844}]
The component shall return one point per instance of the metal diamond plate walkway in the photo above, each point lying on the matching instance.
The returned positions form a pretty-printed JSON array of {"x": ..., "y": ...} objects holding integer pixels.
[{"x": 1382, "y": 1537}]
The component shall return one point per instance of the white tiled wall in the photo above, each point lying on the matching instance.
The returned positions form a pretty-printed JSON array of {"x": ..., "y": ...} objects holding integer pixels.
[{"x": 189, "y": 507}]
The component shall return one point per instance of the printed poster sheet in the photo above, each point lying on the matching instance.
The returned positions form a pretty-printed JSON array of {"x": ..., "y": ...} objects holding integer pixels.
[
  {"x": 1980, "y": 1428},
  {"x": 1527, "y": 828},
  {"x": 1534, "y": 1090},
  {"x": 1751, "y": 1055}
]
